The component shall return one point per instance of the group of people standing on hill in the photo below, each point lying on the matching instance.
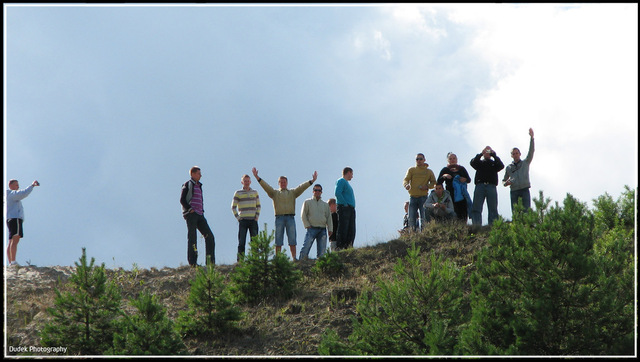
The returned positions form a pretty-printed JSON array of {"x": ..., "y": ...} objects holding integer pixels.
[
  {"x": 335, "y": 218},
  {"x": 450, "y": 199}
]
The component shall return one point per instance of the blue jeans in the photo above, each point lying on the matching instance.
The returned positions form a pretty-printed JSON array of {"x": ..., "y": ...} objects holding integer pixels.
[
  {"x": 490, "y": 193},
  {"x": 199, "y": 223},
  {"x": 287, "y": 222},
  {"x": 521, "y": 194},
  {"x": 416, "y": 205},
  {"x": 314, "y": 233},
  {"x": 244, "y": 225}
]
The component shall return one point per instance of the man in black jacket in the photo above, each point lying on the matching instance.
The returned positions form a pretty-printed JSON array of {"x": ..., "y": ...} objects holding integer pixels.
[
  {"x": 193, "y": 212},
  {"x": 487, "y": 164}
]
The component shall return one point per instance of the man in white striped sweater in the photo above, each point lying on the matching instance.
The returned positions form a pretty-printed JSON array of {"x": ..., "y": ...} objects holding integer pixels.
[{"x": 246, "y": 209}]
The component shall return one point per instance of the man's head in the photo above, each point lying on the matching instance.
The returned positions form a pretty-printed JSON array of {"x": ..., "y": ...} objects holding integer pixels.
[
  {"x": 419, "y": 159},
  {"x": 486, "y": 153},
  {"x": 13, "y": 184},
  {"x": 452, "y": 158},
  {"x": 515, "y": 154},
  {"x": 283, "y": 182},
  {"x": 347, "y": 173},
  {"x": 317, "y": 191},
  {"x": 246, "y": 181},
  {"x": 333, "y": 205},
  {"x": 439, "y": 190},
  {"x": 195, "y": 173}
]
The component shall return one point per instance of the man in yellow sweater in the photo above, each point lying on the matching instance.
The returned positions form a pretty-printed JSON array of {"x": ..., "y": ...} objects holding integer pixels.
[
  {"x": 418, "y": 180},
  {"x": 284, "y": 205}
]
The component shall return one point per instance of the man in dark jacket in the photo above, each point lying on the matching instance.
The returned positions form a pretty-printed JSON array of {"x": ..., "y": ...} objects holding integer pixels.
[
  {"x": 193, "y": 212},
  {"x": 487, "y": 164}
]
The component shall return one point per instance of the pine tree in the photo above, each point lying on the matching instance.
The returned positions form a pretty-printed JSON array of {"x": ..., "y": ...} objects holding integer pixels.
[
  {"x": 261, "y": 275},
  {"x": 83, "y": 319},
  {"x": 211, "y": 306},
  {"x": 419, "y": 312},
  {"x": 549, "y": 284},
  {"x": 148, "y": 332}
]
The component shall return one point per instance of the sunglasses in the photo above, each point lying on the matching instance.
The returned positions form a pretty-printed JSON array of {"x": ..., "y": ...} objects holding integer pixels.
[{"x": 317, "y": 190}]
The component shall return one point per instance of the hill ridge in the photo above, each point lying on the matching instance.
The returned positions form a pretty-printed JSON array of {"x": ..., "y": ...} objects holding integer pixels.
[{"x": 279, "y": 328}]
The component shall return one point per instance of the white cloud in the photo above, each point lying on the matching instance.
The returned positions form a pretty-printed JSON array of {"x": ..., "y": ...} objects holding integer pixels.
[
  {"x": 571, "y": 74},
  {"x": 421, "y": 20},
  {"x": 381, "y": 45}
]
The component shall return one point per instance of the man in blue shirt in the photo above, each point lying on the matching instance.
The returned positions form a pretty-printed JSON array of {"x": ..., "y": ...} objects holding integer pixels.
[
  {"x": 346, "y": 210},
  {"x": 15, "y": 216}
]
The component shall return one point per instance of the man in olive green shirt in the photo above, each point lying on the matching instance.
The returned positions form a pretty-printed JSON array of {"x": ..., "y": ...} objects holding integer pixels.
[
  {"x": 418, "y": 180},
  {"x": 284, "y": 205}
]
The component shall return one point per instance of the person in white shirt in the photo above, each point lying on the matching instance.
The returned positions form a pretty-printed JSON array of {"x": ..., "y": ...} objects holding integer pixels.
[
  {"x": 316, "y": 217},
  {"x": 15, "y": 216}
]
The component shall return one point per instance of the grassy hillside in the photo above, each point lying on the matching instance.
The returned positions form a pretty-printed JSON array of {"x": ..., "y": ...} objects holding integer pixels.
[{"x": 277, "y": 328}]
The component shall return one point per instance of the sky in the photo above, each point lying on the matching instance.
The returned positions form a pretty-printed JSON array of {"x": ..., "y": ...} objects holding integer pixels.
[{"x": 109, "y": 106}]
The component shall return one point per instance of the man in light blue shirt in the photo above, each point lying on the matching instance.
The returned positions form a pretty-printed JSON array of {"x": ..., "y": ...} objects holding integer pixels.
[
  {"x": 15, "y": 216},
  {"x": 346, "y": 210}
]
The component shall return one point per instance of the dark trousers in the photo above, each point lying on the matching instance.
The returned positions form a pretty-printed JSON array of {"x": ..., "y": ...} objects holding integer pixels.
[
  {"x": 244, "y": 225},
  {"x": 522, "y": 194},
  {"x": 461, "y": 210},
  {"x": 346, "y": 226},
  {"x": 199, "y": 223}
]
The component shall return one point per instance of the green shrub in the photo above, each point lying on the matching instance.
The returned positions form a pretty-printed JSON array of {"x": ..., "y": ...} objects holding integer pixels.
[
  {"x": 211, "y": 306},
  {"x": 148, "y": 332},
  {"x": 609, "y": 213},
  {"x": 330, "y": 264},
  {"x": 549, "y": 284},
  {"x": 84, "y": 319},
  {"x": 261, "y": 275},
  {"x": 419, "y": 312}
]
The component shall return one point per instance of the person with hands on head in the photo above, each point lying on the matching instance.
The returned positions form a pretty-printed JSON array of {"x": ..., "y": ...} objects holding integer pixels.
[
  {"x": 487, "y": 165},
  {"x": 284, "y": 205}
]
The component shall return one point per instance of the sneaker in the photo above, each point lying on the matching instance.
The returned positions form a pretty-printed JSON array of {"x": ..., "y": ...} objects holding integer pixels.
[{"x": 13, "y": 264}]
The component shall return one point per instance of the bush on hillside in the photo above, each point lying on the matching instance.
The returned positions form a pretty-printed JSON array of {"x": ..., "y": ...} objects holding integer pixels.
[
  {"x": 262, "y": 276},
  {"x": 609, "y": 213},
  {"x": 84, "y": 318},
  {"x": 550, "y": 283},
  {"x": 148, "y": 332},
  {"x": 211, "y": 308},
  {"x": 418, "y": 312},
  {"x": 330, "y": 264}
]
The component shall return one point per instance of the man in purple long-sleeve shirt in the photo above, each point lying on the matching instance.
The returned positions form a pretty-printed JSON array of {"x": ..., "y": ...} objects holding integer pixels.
[{"x": 193, "y": 211}]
